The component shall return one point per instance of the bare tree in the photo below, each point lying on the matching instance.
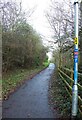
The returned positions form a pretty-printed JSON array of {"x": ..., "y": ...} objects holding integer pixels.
[
  {"x": 12, "y": 14},
  {"x": 61, "y": 19}
]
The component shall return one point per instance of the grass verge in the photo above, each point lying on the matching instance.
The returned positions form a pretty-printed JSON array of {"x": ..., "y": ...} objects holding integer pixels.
[{"x": 12, "y": 80}]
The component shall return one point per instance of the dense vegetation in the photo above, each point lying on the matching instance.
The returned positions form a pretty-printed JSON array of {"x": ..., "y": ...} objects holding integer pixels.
[
  {"x": 23, "y": 53},
  {"x": 21, "y": 45},
  {"x": 22, "y": 48}
]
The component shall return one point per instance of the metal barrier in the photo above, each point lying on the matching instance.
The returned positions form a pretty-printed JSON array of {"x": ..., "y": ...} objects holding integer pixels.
[{"x": 68, "y": 85}]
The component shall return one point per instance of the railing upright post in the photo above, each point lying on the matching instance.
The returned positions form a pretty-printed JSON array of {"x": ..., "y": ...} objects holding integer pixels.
[{"x": 71, "y": 76}]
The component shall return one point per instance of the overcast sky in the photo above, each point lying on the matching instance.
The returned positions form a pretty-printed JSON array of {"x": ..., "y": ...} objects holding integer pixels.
[{"x": 38, "y": 19}]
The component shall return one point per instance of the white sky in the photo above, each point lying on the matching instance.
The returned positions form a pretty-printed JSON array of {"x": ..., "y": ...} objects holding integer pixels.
[{"x": 38, "y": 19}]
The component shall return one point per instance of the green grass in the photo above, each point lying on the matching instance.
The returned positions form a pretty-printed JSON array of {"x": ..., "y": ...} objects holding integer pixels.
[
  {"x": 46, "y": 63},
  {"x": 12, "y": 79}
]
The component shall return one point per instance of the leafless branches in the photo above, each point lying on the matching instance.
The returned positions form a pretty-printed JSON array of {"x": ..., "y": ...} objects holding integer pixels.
[{"x": 61, "y": 19}]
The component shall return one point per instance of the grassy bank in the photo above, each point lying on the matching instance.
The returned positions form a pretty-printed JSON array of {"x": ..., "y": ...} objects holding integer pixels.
[{"x": 12, "y": 80}]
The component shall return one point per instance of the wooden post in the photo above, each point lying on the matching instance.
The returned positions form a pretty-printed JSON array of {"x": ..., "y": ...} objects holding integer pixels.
[{"x": 71, "y": 76}]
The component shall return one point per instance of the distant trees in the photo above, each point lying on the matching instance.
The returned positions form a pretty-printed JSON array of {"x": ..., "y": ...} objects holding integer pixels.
[
  {"x": 21, "y": 45},
  {"x": 61, "y": 20}
]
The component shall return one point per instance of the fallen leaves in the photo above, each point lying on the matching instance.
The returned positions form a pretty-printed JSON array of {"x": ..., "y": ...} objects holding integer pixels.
[{"x": 58, "y": 96}]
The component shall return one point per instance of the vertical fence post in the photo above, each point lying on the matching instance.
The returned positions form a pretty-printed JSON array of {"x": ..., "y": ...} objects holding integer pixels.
[
  {"x": 60, "y": 58},
  {"x": 75, "y": 88},
  {"x": 71, "y": 77}
]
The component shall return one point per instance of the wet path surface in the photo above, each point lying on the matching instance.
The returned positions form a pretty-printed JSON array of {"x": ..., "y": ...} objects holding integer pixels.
[{"x": 31, "y": 99}]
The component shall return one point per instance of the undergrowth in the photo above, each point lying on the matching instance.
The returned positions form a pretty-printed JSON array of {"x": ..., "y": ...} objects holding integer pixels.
[{"x": 59, "y": 98}]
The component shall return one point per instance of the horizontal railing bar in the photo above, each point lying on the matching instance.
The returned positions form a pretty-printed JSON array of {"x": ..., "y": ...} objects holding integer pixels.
[
  {"x": 68, "y": 69},
  {"x": 80, "y": 111},
  {"x": 65, "y": 82},
  {"x": 69, "y": 92},
  {"x": 66, "y": 75},
  {"x": 80, "y": 74},
  {"x": 69, "y": 86},
  {"x": 65, "y": 86},
  {"x": 80, "y": 87}
]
